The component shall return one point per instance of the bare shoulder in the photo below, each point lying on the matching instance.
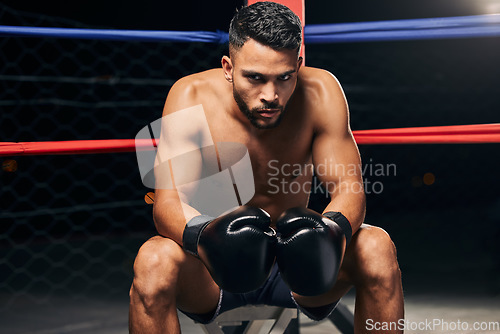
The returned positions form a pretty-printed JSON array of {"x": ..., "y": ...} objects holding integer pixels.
[
  {"x": 323, "y": 95},
  {"x": 184, "y": 124},
  {"x": 191, "y": 90},
  {"x": 312, "y": 78}
]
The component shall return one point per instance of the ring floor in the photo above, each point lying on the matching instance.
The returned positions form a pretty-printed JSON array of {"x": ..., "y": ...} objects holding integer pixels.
[{"x": 424, "y": 313}]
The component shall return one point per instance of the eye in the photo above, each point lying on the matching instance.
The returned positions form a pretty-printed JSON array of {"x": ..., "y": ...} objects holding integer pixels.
[
  {"x": 254, "y": 77},
  {"x": 285, "y": 77}
]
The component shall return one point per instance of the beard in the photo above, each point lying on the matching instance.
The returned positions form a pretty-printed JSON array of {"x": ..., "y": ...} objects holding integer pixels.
[{"x": 250, "y": 113}]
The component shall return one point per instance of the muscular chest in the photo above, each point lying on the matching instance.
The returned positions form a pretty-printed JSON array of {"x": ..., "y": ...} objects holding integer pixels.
[{"x": 284, "y": 152}]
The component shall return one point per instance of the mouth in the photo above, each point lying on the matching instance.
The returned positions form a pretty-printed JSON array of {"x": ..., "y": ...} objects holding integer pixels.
[{"x": 268, "y": 113}]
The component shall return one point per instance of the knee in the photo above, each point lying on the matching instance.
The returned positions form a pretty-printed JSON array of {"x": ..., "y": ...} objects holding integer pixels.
[
  {"x": 376, "y": 262},
  {"x": 156, "y": 269}
]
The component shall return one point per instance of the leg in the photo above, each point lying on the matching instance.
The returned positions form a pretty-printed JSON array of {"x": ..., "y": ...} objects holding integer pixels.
[
  {"x": 166, "y": 277},
  {"x": 369, "y": 264},
  {"x": 373, "y": 267}
]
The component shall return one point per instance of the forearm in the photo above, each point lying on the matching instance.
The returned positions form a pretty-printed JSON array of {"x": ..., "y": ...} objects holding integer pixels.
[
  {"x": 349, "y": 199},
  {"x": 170, "y": 215}
]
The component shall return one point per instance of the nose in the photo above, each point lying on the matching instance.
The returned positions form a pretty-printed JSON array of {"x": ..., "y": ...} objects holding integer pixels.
[{"x": 269, "y": 93}]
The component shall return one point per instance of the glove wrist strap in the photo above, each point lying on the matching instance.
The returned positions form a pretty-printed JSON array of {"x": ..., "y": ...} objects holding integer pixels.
[
  {"x": 192, "y": 233},
  {"x": 344, "y": 224}
]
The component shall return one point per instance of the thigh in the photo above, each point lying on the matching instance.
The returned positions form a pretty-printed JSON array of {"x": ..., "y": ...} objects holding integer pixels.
[
  {"x": 196, "y": 290},
  {"x": 184, "y": 276},
  {"x": 350, "y": 264}
]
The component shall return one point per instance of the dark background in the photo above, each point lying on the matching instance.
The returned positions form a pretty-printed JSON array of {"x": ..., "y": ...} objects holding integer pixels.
[
  {"x": 212, "y": 15},
  {"x": 446, "y": 232}
]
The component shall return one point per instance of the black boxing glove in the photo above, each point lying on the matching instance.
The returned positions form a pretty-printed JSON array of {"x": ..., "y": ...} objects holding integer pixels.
[
  {"x": 237, "y": 248},
  {"x": 310, "y": 249}
]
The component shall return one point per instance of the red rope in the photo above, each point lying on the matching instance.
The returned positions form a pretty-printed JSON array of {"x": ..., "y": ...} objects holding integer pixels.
[
  {"x": 457, "y": 134},
  {"x": 74, "y": 147}
]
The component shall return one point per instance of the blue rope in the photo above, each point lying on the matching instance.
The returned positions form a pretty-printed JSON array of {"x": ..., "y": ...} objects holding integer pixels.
[
  {"x": 433, "y": 28},
  {"x": 430, "y": 28},
  {"x": 116, "y": 35}
]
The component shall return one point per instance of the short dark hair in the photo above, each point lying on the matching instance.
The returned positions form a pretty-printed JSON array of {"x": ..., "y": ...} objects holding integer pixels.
[{"x": 269, "y": 23}]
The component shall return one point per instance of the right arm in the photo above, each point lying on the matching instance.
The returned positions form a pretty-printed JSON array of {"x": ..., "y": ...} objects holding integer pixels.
[
  {"x": 170, "y": 211},
  {"x": 241, "y": 239}
]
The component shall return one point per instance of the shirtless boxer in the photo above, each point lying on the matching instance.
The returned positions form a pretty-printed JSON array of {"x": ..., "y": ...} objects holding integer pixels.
[{"x": 291, "y": 116}]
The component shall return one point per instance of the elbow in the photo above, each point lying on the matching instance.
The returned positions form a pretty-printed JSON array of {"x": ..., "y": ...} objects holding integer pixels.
[
  {"x": 168, "y": 218},
  {"x": 160, "y": 223}
]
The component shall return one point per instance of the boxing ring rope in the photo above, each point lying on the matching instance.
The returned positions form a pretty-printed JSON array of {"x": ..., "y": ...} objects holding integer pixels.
[
  {"x": 116, "y": 35},
  {"x": 414, "y": 29},
  {"x": 429, "y": 28},
  {"x": 457, "y": 134},
  {"x": 454, "y": 134}
]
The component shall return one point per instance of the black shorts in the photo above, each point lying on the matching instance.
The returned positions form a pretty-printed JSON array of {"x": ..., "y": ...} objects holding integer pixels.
[{"x": 274, "y": 292}]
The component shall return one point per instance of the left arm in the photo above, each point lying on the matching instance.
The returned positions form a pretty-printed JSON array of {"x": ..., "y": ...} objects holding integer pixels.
[
  {"x": 338, "y": 166},
  {"x": 335, "y": 153}
]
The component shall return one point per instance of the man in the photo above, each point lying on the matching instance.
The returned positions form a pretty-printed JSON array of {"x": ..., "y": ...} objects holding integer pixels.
[{"x": 289, "y": 118}]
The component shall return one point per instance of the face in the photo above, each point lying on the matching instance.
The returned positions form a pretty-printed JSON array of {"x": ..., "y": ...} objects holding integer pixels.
[{"x": 263, "y": 81}]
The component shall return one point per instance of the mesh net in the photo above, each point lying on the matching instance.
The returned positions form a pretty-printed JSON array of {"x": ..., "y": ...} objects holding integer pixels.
[{"x": 71, "y": 225}]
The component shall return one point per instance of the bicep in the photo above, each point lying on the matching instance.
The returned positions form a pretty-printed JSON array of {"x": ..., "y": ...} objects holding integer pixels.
[
  {"x": 178, "y": 161},
  {"x": 336, "y": 160},
  {"x": 184, "y": 131},
  {"x": 335, "y": 153}
]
